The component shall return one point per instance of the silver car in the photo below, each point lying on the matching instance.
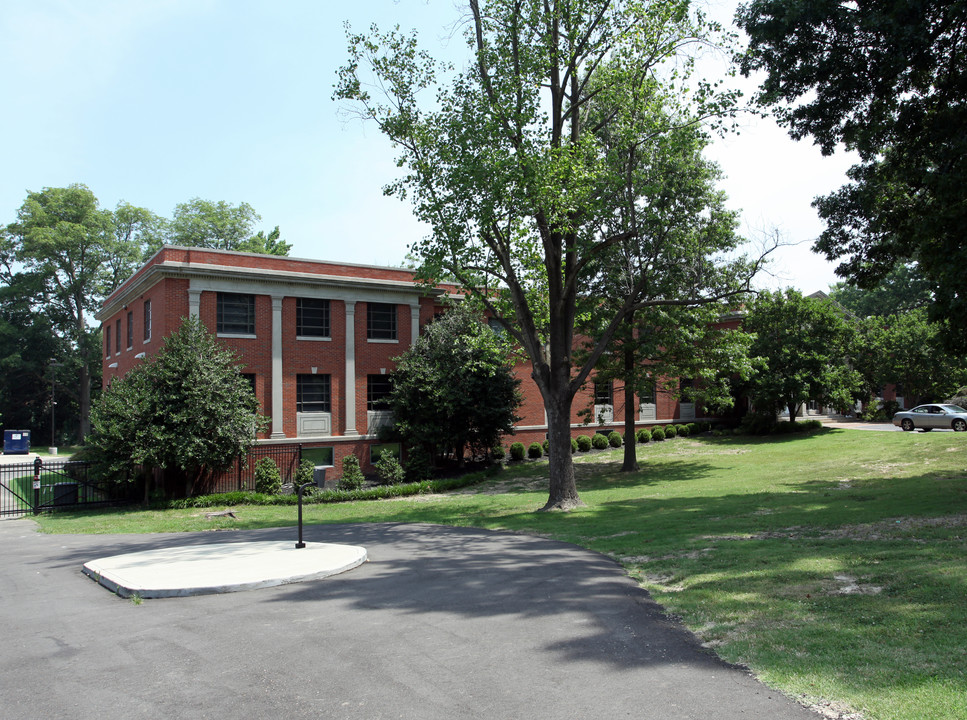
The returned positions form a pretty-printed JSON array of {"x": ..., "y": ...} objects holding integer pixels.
[{"x": 930, "y": 417}]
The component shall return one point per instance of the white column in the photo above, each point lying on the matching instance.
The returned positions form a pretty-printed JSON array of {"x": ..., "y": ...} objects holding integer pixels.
[
  {"x": 194, "y": 303},
  {"x": 414, "y": 323},
  {"x": 277, "y": 408},
  {"x": 350, "y": 428}
]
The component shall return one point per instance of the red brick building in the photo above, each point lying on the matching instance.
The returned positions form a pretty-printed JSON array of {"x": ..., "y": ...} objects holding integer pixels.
[{"x": 316, "y": 340}]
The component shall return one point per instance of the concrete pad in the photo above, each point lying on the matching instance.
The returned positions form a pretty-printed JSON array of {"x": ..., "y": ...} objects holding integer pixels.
[{"x": 220, "y": 568}]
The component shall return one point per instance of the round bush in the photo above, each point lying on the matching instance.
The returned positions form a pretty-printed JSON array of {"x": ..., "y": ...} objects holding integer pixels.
[
  {"x": 599, "y": 441},
  {"x": 584, "y": 443},
  {"x": 614, "y": 439},
  {"x": 658, "y": 434},
  {"x": 535, "y": 451},
  {"x": 694, "y": 428},
  {"x": 683, "y": 431},
  {"x": 352, "y": 477},
  {"x": 268, "y": 479},
  {"x": 670, "y": 432},
  {"x": 498, "y": 453},
  {"x": 517, "y": 451},
  {"x": 546, "y": 447},
  {"x": 574, "y": 446},
  {"x": 644, "y": 435}
]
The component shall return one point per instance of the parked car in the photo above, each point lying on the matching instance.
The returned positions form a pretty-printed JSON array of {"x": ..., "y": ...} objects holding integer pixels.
[{"x": 929, "y": 417}]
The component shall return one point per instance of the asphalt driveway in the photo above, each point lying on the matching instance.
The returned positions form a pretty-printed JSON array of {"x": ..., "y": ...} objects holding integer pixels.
[{"x": 441, "y": 623}]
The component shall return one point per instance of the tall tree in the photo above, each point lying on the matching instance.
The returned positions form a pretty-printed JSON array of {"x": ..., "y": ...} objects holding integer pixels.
[
  {"x": 453, "y": 389},
  {"x": 805, "y": 344},
  {"x": 222, "y": 226},
  {"x": 188, "y": 411},
  {"x": 901, "y": 290},
  {"x": 65, "y": 242},
  {"x": 888, "y": 80},
  {"x": 511, "y": 170}
]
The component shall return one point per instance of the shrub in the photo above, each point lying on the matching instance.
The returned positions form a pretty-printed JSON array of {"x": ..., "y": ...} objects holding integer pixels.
[
  {"x": 574, "y": 446},
  {"x": 389, "y": 470},
  {"x": 517, "y": 451},
  {"x": 756, "y": 424},
  {"x": 644, "y": 435},
  {"x": 614, "y": 439},
  {"x": 658, "y": 434},
  {"x": 419, "y": 464},
  {"x": 268, "y": 479},
  {"x": 535, "y": 450},
  {"x": 352, "y": 476},
  {"x": 671, "y": 431},
  {"x": 498, "y": 452},
  {"x": 305, "y": 472},
  {"x": 584, "y": 443},
  {"x": 683, "y": 431},
  {"x": 599, "y": 441},
  {"x": 694, "y": 428},
  {"x": 546, "y": 446},
  {"x": 812, "y": 425}
]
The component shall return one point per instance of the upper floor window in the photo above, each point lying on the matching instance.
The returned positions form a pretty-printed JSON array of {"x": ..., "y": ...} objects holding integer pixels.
[
  {"x": 313, "y": 393},
  {"x": 647, "y": 394},
  {"x": 236, "y": 314},
  {"x": 380, "y": 321},
  {"x": 130, "y": 329},
  {"x": 603, "y": 393},
  {"x": 312, "y": 317},
  {"x": 147, "y": 320},
  {"x": 117, "y": 337},
  {"x": 107, "y": 339},
  {"x": 378, "y": 389}
]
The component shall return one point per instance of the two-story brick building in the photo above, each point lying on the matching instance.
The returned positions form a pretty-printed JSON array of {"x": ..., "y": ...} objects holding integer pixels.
[{"x": 316, "y": 340}]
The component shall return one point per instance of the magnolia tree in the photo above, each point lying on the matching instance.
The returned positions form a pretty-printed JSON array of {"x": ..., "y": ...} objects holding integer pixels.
[{"x": 531, "y": 168}]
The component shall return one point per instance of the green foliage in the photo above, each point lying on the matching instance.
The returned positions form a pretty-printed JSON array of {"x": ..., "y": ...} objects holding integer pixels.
[
  {"x": 614, "y": 439},
  {"x": 583, "y": 443},
  {"x": 498, "y": 452},
  {"x": 574, "y": 446},
  {"x": 389, "y": 470},
  {"x": 352, "y": 477},
  {"x": 683, "y": 430},
  {"x": 693, "y": 428},
  {"x": 670, "y": 432},
  {"x": 305, "y": 473},
  {"x": 886, "y": 82},
  {"x": 643, "y": 436},
  {"x": 658, "y": 434},
  {"x": 222, "y": 226},
  {"x": 187, "y": 410},
  {"x": 805, "y": 344},
  {"x": 453, "y": 389},
  {"x": 535, "y": 450},
  {"x": 268, "y": 479},
  {"x": 533, "y": 166},
  {"x": 517, "y": 451},
  {"x": 759, "y": 423},
  {"x": 959, "y": 397},
  {"x": 419, "y": 464},
  {"x": 599, "y": 441}
]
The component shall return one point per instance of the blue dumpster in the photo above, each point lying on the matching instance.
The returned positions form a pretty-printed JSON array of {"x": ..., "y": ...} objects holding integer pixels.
[{"x": 16, "y": 442}]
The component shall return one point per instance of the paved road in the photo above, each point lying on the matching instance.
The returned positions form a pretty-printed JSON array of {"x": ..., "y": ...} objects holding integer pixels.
[{"x": 441, "y": 623}]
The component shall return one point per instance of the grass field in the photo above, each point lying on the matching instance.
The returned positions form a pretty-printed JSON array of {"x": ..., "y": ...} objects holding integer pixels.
[{"x": 834, "y": 565}]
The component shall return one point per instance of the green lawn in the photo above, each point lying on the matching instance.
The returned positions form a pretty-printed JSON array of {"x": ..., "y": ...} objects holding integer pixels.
[{"x": 834, "y": 565}]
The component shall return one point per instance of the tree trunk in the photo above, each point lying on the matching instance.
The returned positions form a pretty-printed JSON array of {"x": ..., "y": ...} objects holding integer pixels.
[
  {"x": 563, "y": 493},
  {"x": 630, "y": 463},
  {"x": 793, "y": 411}
]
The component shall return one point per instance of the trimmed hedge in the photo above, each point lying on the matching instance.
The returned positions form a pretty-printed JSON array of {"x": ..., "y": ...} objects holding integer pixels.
[
  {"x": 658, "y": 434},
  {"x": 535, "y": 451},
  {"x": 599, "y": 441},
  {"x": 614, "y": 439},
  {"x": 584, "y": 443},
  {"x": 517, "y": 451},
  {"x": 574, "y": 446},
  {"x": 683, "y": 431},
  {"x": 671, "y": 431},
  {"x": 644, "y": 435}
]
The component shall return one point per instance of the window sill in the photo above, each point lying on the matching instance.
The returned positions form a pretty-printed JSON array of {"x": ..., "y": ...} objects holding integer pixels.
[
  {"x": 383, "y": 341},
  {"x": 313, "y": 338},
  {"x": 237, "y": 336}
]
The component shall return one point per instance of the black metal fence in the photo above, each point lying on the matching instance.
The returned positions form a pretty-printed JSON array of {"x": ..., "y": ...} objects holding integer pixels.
[
  {"x": 241, "y": 476},
  {"x": 39, "y": 486}
]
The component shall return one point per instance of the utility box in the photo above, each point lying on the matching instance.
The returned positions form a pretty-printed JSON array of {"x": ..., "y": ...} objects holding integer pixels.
[
  {"x": 319, "y": 476},
  {"x": 16, "y": 442}
]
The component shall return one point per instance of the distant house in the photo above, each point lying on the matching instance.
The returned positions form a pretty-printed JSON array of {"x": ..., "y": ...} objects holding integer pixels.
[{"x": 317, "y": 340}]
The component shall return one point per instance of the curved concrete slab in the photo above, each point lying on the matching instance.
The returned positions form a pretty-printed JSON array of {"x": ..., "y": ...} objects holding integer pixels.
[{"x": 228, "y": 567}]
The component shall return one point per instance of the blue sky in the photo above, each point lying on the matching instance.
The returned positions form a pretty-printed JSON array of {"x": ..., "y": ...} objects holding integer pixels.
[{"x": 159, "y": 101}]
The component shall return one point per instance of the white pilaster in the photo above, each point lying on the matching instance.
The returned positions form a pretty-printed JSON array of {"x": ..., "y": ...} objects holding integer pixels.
[
  {"x": 194, "y": 303},
  {"x": 414, "y": 323},
  {"x": 350, "y": 428},
  {"x": 277, "y": 406}
]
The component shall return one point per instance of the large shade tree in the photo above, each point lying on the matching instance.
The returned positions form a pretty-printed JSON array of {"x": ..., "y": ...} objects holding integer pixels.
[
  {"x": 888, "y": 81},
  {"x": 187, "y": 411},
  {"x": 524, "y": 166},
  {"x": 805, "y": 344}
]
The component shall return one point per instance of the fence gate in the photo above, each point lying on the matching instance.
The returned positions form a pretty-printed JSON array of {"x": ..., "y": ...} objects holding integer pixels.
[{"x": 38, "y": 486}]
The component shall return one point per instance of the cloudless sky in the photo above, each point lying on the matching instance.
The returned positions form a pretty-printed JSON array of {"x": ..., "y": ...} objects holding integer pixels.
[{"x": 159, "y": 101}]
